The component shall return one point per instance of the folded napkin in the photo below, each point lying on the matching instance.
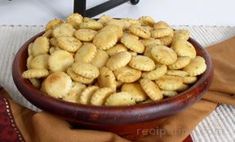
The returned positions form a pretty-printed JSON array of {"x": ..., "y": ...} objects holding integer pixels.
[{"x": 18, "y": 123}]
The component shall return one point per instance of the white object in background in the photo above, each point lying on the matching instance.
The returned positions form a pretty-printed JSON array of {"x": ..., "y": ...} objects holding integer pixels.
[{"x": 180, "y": 12}]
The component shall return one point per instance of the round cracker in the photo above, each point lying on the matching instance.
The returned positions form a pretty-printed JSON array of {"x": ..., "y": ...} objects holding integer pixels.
[
  {"x": 40, "y": 46},
  {"x": 132, "y": 43},
  {"x": 58, "y": 84},
  {"x": 118, "y": 60},
  {"x": 116, "y": 49},
  {"x": 155, "y": 74},
  {"x": 151, "y": 89},
  {"x": 135, "y": 90},
  {"x": 74, "y": 93},
  {"x": 100, "y": 96},
  {"x": 69, "y": 44},
  {"x": 60, "y": 60},
  {"x": 35, "y": 73},
  {"x": 105, "y": 39},
  {"x": 86, "y": 53},
  {"x": 39, "y": 62},
  {"x": 120, "y": 99},
  {"x": 74, "y": 19},
  {"x": 107, "y": 78},
  {"x": 170, "y": 83},
  {"x": 140, "y": 31},
  {"x": 196, "y": 67},
  {"x": 64, "y": 29},
  {"x": 142, "y": 63},
  {"x": 163, "y": 55},
  {"x": 85, "y": 69},
  {"x": 127, "y": 74},
  {"x": 94, "y": 25},
  {"x": 184, "y": 48},
  {"x": 85, "y": 34},
  {"x": 79, "y": 78},
  {"x": 86, "y": 94},
  {"x": 180, "y": 63},
  {"x": 100, "y": 58}
]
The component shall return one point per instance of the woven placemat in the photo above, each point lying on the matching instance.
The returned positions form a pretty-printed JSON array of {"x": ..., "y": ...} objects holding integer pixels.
[{"x": 219, "y": 126}]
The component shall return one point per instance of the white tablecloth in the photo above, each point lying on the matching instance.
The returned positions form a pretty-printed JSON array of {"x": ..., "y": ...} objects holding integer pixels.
[{"x": 219, "y": 126}]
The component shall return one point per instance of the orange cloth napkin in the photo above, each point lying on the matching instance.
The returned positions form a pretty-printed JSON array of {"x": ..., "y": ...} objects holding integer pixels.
[{"x": 44, "y": 127}]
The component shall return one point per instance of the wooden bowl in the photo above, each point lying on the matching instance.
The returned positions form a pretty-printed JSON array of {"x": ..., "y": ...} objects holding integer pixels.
[{"x": 126, "y": 121}]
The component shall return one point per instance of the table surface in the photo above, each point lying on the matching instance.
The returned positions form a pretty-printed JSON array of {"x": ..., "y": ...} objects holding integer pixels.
[
  {"x": 189, "y": 12},
  {"x": 219, "y": 126}
]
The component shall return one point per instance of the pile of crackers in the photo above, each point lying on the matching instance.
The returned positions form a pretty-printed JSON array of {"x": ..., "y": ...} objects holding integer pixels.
[{"x": 112, "y": 62}]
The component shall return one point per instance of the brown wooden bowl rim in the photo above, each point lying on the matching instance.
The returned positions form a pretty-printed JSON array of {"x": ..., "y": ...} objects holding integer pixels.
[{"x": 72, "y": 108}]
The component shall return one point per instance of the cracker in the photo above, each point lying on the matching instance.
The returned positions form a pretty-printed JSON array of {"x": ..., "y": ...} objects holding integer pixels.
[
  {"x": 85, "y": 69},
  {"x": 29, "y": 59},
  {"x": 148, "y": 53},
  {"x": 140, "y": 31},
  {"x": 53, "y": 49},
  {"x": 196, "y": 67},
  {"x": 69, "y": 44},
  {"x": 181, "y": 34},
  {"x": 159, "y": 33},
  {"x": 85, "y": 34},
  {"x": 47, "y": 33},
  {"x": 146, "y": 20},
  {"x": 60, "y": 60},
  {"x": 189, "y": 79},
  {"x": 168, "y": 93},
  {"x": 160, "y": 25},
  {"x": 183, "y": 87},
  {"x": 105, "y": 39},
  {"x": 100, "y": 58},
  {"x": 53, "y": 23},
  {"x": 118, "y": 60},
  {"x": 94, "y": 25},
  {"x": 120, "y": 99},
  {"x": 35, "y": 82},
  {"x": 74, "y": 19},
  {"x": 30, "y": 49},
  {"x": 127, "y": 74},
  {"x": 104, "y": 19},
  {"x": 159, "y": 71},
  {"x": 166, "y": 40},
  {"x": 151, "y": 89},
  {"x": 35, "y": 73},
  {"x": 135, "y": 90},
  {"x": 39, "y": 62},
  {"x": 100, "y": 96},
  {"x": 79, "y": 78},
  {"x": 180, "y": 63},
  {"x": 116, "y": 49},
  {"x": 151, "y": 42},
  {"x": 114, "y": 28},
  {"x": 163, "y": 55},
  {"x": 107, "y": 78},
  {"x": 184, "y": 48},
  {"x": 40, "y": 46},
  {"x": 53, "y": 42},
  {"x": 86, "y": 53},
  {"x": 170, "y": 83},
  {"x": 64, "y": 29},
  {"x": 142, "y": 63},
  {"x": 177, "y": 73},
  {"x": 122, "y": 24},
  {"x": 58, "y": 84},
  {"x": 132, "y": 43},
  {"x": 74, "y": 93},
  {"x": 86, "y": 94}
]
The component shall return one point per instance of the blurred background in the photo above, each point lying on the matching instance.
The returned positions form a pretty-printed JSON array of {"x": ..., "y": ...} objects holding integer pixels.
[{"x": 176, "y": 12}]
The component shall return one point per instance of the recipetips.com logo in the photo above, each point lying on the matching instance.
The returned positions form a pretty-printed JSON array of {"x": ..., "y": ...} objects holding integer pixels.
[{"x": 160, "y": 132}]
